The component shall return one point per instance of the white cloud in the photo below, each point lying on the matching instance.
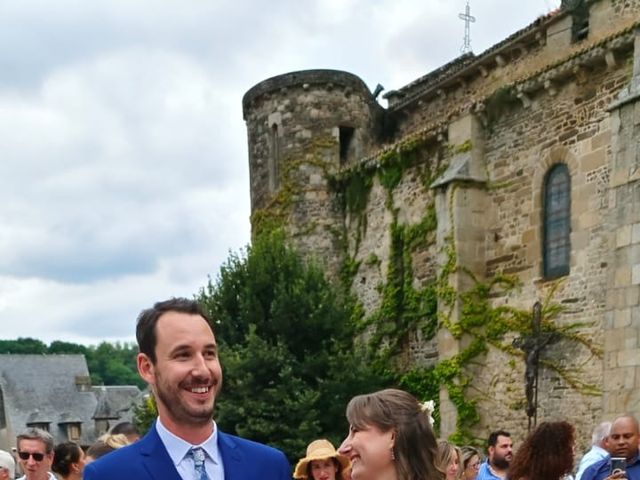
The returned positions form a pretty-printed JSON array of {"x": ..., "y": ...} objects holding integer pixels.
[{"x": 124, "y": 172}]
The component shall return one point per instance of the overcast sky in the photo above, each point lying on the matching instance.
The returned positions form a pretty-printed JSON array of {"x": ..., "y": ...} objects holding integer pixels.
[{"x": 123, "y": 157}]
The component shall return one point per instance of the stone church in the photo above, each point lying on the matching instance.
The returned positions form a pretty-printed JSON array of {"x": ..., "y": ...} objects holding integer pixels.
[{"x": 520, "y": 162}]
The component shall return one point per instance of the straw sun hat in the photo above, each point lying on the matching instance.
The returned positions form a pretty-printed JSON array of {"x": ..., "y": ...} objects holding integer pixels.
[{"x": 319, "y": 450}]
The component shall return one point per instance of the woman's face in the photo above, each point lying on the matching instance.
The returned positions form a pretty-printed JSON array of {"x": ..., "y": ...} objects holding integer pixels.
[
  {"x": 78, "y": 467},
  {"x": 453, "y": 467},
  {"x": 473, "y": 465},
  {"x": 324, "y": 469},
  {"x": 369, "y": 450}
]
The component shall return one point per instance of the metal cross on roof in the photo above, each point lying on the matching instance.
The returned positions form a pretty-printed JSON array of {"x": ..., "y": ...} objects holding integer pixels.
[{"x": 468, "y": 20}]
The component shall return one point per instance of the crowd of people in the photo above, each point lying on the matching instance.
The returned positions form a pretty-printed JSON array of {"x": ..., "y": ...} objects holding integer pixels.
[
  {"x": 39, "y": 459},
  {"x": 390, "y": 437}
]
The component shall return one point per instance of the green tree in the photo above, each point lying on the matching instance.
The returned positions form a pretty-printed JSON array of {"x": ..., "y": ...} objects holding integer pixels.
[
  {"x": 23, "y": 346},
  {"x": 114, "y": 364},
  {"x": 145, "y": 414},
  {"x": 287, "y": 344},
  {"x": 60, "y": 347}
]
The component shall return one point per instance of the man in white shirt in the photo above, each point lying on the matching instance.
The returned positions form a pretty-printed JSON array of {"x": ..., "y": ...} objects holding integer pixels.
[
  {"x": 35, "y": 454},
  {"x": 598, "y": 450}
]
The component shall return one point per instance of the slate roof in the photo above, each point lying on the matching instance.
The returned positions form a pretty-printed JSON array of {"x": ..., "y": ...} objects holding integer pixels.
[
  {"x": 114, "y": 402},
  {"x": 43, "y": 389}
]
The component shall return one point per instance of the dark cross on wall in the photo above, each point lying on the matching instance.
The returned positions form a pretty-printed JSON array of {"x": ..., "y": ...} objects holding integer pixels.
[{"x": 532, "y": 346}]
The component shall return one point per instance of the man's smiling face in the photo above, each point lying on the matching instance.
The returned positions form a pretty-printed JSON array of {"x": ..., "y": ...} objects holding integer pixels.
[{"x": 187, "y": 375}]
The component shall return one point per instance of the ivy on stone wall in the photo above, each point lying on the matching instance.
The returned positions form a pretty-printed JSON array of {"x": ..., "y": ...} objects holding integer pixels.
[
  {"x": 407, "y": 309},
  {"x": 354, "y": 186},
  {"x": 424, "y": 384},
  {"x": 276, "y": 213},
  {"x": 484, "y": 323},
  {"x": 404, "y": 308},
  {"x": 481, "y": 322}
]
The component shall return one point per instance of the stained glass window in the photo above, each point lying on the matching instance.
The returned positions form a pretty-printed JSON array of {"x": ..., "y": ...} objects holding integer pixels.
[{"x": 557, "y": 222}]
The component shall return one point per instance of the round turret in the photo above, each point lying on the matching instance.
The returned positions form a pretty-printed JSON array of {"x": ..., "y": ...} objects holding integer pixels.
[
  {"x": 301, "y": 127},
  {"x": 287, "y": 114}
]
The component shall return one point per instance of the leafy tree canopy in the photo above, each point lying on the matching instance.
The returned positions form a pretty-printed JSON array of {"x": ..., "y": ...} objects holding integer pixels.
[{"x": 287, "y": 345}]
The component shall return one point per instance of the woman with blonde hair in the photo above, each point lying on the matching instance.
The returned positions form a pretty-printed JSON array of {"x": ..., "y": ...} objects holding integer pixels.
[
  {"x": 107, "y": 443},
  {"x": 390, "y": 437},
  {"x": 470, "y": 464},
  {"x": 322, "y": 462},
  {"x": 448, "y": 460}
]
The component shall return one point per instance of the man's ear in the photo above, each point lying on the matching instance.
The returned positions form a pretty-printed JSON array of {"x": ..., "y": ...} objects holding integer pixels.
[{"x": 146, "y": 368}]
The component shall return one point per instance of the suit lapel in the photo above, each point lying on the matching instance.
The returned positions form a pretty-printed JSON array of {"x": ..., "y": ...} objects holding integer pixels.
[
  {"x": 156, "y": 459},
  {"x": 231, "y": 457}
]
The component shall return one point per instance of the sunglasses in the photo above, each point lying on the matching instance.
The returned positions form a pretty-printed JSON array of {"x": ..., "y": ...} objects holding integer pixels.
[{"x": 38, "y": 457}]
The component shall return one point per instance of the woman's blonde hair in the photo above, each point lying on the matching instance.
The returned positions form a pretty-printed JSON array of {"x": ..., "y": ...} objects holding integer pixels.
[
  {"x": 447, "y": 452},
  {"x": 115, "y": 440},
  {"x": 107, "y": 443},
  {"x": 468, "y": 453}
]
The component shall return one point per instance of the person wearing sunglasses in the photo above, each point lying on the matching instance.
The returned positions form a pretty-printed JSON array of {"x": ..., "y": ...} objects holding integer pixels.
[{"x": 35, "y": 454}]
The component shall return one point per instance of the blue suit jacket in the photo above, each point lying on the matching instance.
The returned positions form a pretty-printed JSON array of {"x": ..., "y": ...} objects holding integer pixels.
[
  {"x": 148, "y": 459},
  {"x": 602, "y": 469}
]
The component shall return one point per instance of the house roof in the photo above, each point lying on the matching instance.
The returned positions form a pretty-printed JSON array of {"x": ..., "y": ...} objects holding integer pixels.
[
  {"x": 44, "y": 389},
  {"x": 114, "y": 401}
]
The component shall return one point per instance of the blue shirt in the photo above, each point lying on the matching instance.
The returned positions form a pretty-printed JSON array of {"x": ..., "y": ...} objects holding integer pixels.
[
  {"x": 178, "y": 450},
  {"x": 602, "y": 469},
  {"x": 486, "y": 473},
  {"x": 592, "y": 456}
]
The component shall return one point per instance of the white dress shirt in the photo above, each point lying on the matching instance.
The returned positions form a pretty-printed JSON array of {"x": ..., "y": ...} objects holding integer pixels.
[
  {"x": 179, "y": 452},
  {"x": 592, "y": 456},
  {"x": 51, "y": 477}
]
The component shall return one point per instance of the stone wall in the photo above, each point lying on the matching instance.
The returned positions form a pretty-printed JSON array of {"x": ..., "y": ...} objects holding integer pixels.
[
  {"x": 497, "y": 122},
  {"x": 370, "y": 245},
  {"x": 293, "y": 123},
  {"x": 569, "y": 124},
  {"x": 622, "y": 317}
]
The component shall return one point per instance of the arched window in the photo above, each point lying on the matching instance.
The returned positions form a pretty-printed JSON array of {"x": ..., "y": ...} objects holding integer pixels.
[{"x": 556, "y": 247}]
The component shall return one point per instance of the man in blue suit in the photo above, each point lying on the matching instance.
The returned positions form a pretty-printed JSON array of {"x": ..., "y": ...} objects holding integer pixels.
[{"x": 179, "y": 359}]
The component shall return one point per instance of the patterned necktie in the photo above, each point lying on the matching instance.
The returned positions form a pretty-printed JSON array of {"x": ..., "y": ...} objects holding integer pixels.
[{"x": 198, "y": 462}]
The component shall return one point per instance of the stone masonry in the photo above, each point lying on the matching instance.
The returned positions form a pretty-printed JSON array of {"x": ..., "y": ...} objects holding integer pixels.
[{"x": 492, "y": 126}]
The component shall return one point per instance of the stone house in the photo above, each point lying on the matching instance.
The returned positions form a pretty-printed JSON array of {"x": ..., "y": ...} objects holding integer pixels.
[
  {"x": 528, "y": 158},
  {"x": 54, "y": 392}
]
